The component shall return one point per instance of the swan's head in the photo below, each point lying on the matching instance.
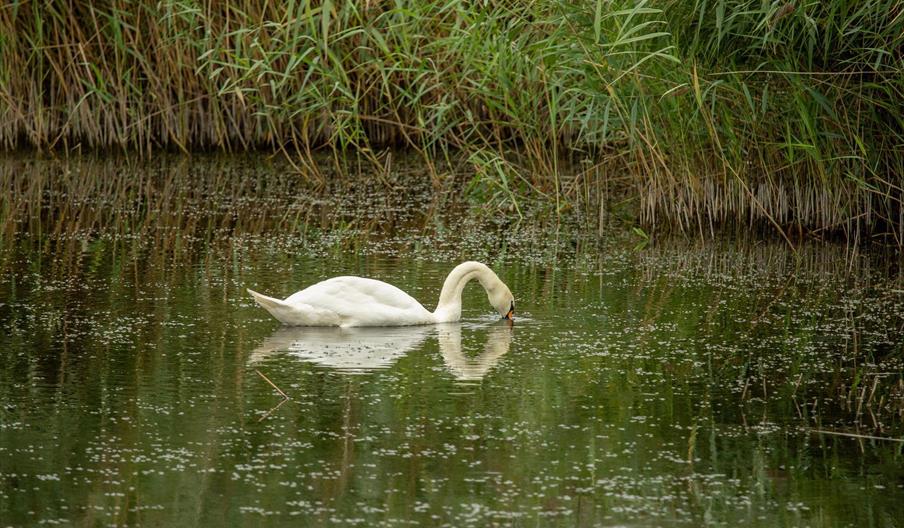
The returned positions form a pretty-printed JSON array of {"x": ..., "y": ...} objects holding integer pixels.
[{"x": 502, "y": 299}]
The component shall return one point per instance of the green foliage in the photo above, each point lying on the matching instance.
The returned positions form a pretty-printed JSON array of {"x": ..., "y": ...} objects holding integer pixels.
[{"x": 719, "y": 111}]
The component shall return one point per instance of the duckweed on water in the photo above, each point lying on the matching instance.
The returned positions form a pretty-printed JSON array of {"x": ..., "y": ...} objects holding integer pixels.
[{"x": 674, "y": 385}]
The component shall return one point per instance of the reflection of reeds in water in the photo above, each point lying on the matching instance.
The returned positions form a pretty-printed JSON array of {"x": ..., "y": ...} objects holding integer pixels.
[
  {"x": 176, "y": 207},
  {"x": 817, "y": 328},
  {"x": 179, "y": 209},
  {"x": 185, "y": 199},
  {"x": 742, "y": 256}
]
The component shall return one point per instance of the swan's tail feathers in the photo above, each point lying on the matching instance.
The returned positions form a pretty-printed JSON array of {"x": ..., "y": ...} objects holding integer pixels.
[
  {"x": 267, "y": 302},
  {"x": 277, "y": 308},
  {"x": 296, "y": 314}
]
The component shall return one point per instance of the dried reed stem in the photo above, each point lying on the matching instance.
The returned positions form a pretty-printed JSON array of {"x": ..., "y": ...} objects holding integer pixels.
[
  {"x": 284, "y": 395},
  {"x": 856, "y": 435}
]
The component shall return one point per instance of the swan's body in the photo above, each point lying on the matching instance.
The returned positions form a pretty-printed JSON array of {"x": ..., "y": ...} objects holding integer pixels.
[{"x": 356, "y": 301}]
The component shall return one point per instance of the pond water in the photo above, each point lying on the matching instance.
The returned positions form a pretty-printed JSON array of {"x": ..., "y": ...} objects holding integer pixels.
[{"x": 676, "y": 384}]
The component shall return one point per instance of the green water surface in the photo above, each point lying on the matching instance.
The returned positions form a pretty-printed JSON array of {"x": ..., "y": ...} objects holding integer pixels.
[{"x": 682, "y": 384}]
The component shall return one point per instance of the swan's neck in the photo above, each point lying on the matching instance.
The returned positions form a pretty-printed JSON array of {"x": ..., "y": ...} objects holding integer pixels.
[{"x": 449, "y": 306}]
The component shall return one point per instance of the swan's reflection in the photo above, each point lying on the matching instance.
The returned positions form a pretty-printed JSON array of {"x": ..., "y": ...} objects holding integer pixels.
[
  {"x": 498, "y": 342},
  {"x": 359, "y": 350},
  {"x": 352, "y": 350}
]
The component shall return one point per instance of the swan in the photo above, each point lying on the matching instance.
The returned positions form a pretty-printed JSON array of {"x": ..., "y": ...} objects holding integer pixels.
[{"x": 357, "y": 301}]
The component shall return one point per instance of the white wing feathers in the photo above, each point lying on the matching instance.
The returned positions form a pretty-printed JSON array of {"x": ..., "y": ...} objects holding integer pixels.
[
  {"x": 347, "y": 301},
  {"x": 296, "y": 314}
]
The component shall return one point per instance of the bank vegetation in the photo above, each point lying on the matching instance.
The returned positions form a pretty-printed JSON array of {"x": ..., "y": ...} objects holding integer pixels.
[{"x": 782, "y": 115}]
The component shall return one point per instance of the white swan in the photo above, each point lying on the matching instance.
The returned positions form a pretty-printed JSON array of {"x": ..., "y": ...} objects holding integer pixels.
[{"x": 356, "y": 301}]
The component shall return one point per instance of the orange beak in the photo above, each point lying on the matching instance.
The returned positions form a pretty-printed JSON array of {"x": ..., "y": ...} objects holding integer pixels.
[{"x": 510, "y": 315}]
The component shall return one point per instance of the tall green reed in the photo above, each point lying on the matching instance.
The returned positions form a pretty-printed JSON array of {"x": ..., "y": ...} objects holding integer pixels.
[{"x": 706, "y": 112}]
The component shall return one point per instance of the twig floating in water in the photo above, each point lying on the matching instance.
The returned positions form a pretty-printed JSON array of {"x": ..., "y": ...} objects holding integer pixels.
[
  {"x": 854, "y": 435},
  {"x": 273, "y": 410},
  {"x": 261, "y": 374}
]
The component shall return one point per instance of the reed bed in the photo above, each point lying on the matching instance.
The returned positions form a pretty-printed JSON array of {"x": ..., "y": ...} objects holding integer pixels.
[{"x": 745, "y": 112}]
